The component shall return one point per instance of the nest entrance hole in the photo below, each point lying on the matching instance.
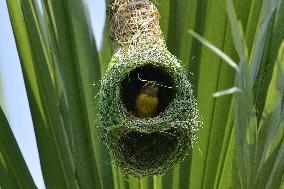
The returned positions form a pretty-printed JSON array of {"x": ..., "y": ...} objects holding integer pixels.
[
  {"x": 148, "y": 150},
  {"x": 131, "y": 86}
]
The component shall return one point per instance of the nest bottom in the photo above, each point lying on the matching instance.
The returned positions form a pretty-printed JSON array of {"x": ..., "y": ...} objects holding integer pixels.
[
  {"x": 143, "y": 154},
  {"x": 148, "y": 150}
]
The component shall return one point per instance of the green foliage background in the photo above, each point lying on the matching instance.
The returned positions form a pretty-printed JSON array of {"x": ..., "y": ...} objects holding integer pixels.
[{"x": 241, "y": 144}]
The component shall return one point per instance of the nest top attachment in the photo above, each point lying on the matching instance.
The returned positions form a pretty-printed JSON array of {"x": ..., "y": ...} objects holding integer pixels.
[
  {"x": 147, "y": 146},
  {"x": 134, "y": 22}
]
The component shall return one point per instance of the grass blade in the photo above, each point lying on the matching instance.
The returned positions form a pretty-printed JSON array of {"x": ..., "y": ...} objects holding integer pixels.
[
  {"x": 272, "y": 44},
  {"x": 48, "y": 123},
  {"x": 60, "y": 30},
  {"x": 88, "y": 72},
  {"x": 277, "y": 171},
  {"x": 158, "y": 182},
  {"x": 212, "y": 76},
  {"x": 251, "y": 27},
  {"x": 164, "y": 9},
  {"x": 245, "y": 120},
  {"x": 237, "y": 32},
  {"x": 14, "y": 172},
  {"x": 225, "y": 166},
  {"x": 106, "y": 51},
  {"x": 271, "y": 124},
  {"x": 222, "y": 55},
  {"x": 227, "y": 92},
  {"x": 181, "y": 17},
  {"x": 268, "y": 8}
]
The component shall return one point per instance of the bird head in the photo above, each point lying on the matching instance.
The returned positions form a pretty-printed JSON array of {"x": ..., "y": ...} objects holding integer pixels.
[{"x": 151, "y": 88}]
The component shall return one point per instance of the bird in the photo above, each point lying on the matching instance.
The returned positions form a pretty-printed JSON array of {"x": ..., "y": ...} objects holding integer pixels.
[{"x": 147, "y": 101}]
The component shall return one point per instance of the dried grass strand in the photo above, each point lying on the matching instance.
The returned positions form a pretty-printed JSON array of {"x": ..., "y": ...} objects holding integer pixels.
[{"x": 135, "y": 22}]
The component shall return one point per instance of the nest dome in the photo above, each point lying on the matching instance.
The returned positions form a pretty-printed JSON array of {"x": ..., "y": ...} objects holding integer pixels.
[{"x": 146, "y": 146}]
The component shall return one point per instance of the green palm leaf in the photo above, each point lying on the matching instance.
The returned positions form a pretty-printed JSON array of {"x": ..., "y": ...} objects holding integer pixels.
[{"x": 14, "y": 172}]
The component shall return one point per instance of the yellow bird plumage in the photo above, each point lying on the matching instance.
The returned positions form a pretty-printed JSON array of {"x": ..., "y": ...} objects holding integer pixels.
[{"x": 146, "y": 103}]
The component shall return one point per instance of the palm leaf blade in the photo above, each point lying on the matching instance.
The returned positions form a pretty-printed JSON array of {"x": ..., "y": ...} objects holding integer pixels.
[{"x": 13, "y": 169}]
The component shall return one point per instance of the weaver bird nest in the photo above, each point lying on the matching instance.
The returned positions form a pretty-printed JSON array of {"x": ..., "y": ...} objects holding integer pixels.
[
  {"x": 147, "y": 146},
  {"x": 151, "y": 145}
]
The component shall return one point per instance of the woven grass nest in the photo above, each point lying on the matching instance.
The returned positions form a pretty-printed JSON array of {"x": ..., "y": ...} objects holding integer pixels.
[{"x": 146, "y": 146}]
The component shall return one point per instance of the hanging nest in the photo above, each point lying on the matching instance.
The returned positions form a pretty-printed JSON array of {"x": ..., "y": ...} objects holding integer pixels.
[
  {"x": 147, "y": 146},
  {"x": 151, "y": 145}
]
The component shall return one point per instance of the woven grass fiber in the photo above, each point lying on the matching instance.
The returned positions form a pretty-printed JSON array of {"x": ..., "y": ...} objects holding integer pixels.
[
  {"x": 147, "y": 146},
  {"x": 144, "y": 146}
]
